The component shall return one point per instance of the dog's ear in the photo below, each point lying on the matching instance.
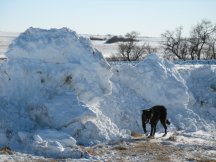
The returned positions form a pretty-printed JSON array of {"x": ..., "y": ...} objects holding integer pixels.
[{"x": 146, "y": 110}]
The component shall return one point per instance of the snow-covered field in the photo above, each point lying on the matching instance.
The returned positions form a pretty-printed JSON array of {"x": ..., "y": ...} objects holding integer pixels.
[
  {"x": 109, "y": 50},
  {"x": 5, "y": 39},
  {"x": 60, "y": 99}
]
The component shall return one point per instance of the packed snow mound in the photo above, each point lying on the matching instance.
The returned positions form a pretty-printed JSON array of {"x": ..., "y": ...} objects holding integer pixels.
[
  {"x": 48, "y": 85},
  {"x": 54, "y": 45},
  {"x": 156, "y": 81},
  {"x": 201, "y": 82},
  {"x": 61, "y": 46},
  {"x": 161, "y": 83},
  {"x": 153, "y": 81}
]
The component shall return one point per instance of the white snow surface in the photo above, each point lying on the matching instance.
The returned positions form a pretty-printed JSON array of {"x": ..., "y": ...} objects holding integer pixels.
[{"x": 57, "y": 91}]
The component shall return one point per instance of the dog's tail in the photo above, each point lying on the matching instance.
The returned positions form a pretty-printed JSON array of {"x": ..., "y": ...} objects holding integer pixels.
[{"x": 168, "y": 122}]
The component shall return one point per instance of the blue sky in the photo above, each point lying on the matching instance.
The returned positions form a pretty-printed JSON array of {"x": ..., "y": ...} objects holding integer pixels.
[{"x": 148, "y": 17}]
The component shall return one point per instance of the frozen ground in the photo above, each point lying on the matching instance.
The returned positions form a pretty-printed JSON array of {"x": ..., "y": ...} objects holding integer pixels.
[
  {"x": 177, "y": 146},
  {"x": 60, "y": 100}
]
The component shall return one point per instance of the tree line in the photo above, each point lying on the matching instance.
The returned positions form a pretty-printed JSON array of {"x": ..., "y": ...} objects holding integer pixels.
[{"x": 199, "y": 45}]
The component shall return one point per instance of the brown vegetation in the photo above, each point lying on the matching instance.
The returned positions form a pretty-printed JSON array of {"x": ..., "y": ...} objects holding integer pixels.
[{"x": 6, "y": 150}]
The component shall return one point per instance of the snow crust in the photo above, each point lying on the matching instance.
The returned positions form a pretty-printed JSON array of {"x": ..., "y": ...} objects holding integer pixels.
[{"x": 57, "y": 92}]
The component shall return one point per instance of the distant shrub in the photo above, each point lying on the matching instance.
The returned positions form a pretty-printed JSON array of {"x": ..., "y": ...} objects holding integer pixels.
[
  {"x": 97, "y": 38},
  {"x": 116, "y": 39},
  {"x": 131, "y": 50}
]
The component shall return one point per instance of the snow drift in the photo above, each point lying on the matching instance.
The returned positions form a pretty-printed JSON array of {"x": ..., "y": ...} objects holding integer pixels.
[
  {"x": 48, "y": 83},
  {"x": 201, "y": 80},
  {"x": 153, "y": 81},
  {"x": 68, "y": 50},
  {"x": 57, "y": 91},
  {"x": 156, "y": 81}
]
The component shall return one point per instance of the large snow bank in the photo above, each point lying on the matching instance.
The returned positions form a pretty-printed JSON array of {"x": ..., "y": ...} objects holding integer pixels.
[
  {"x": 201, "y": 81},
  {"x": 61, "y": 47},
  {"x": 156, "y": 81},
  {"x": 151, "y": 82},
  {"x": 48, "y": 84}
]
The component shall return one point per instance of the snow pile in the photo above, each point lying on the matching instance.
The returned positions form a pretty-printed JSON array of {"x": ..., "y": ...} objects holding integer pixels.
[
  {"x": 201, "y": 81},
  {"x": 48, "y": 85},
  {"x": 156, "y": 81},
  {"x": 151, "y": 82},
  {"x": 61, "y": 47}
]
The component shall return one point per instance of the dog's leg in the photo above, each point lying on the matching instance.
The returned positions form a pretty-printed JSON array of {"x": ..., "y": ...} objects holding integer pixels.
[
  {"x": 165, "y": 128},
  {"x": 154, "y": 126},
  {"x": 144, "y": 127},
  {"x": 151, "y": 133},
  {"x": 154, "y": 129}
]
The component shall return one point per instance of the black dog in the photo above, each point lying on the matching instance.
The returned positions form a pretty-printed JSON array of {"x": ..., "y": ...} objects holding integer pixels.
[{"x": 152, "y": 116}]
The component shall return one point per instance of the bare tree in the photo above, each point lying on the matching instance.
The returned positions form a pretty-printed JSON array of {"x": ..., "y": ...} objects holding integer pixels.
[
  {"x": 130, "y": 50},
  {"x": 200, "y": 45},
  {"x": 175, "y": 44},
  {"x": 199, "y": 38},
  {"x": 138, "y": 52},
  {"x": 126, "y": 48},
  {"x": 150, "y": 49},
  {"x": 212, "y": 48}
]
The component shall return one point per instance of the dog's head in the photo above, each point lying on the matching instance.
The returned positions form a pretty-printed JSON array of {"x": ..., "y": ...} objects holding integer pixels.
[{"x": 146, "y": 115}]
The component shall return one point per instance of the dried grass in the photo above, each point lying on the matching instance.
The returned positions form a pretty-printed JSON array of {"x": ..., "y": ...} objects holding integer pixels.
[
  {"x": 136, "y": 135},
  {"x": 163, "y": 158},
  {"x": 120, "y": 147},
  {"x": 6, "y": 150},
  {"x": 94, "y": 151}
]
